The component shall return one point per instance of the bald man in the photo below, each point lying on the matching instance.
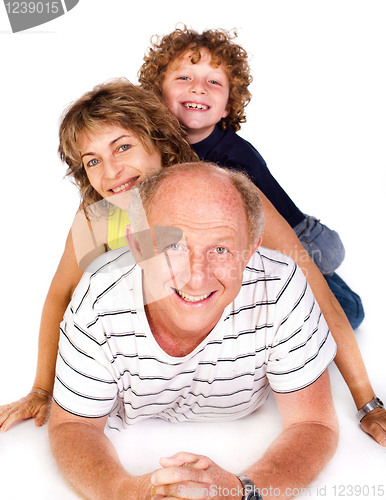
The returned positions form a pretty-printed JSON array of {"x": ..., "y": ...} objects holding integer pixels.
[{"x": 202, "y": 326}]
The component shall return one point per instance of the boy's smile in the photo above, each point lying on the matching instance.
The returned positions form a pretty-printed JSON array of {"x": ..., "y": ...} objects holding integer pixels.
[{"x": 197, "y": 94}]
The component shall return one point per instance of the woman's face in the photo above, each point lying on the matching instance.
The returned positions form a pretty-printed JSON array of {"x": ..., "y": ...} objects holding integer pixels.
[{"x": 115, "y": 160}]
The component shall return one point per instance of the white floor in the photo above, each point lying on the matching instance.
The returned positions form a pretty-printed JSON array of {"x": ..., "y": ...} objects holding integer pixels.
[
  {"x": 318, "y": 118},
  {"x": 358, "y": 468}
]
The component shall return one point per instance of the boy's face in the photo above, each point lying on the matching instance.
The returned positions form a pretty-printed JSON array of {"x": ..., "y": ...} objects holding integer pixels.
[{"x": 197, "y": 94}]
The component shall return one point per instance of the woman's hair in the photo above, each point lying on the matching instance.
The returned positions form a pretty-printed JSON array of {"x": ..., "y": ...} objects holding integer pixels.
[
  {"x": 167, "y": 49},
  {"x": 120, "y": 103}
]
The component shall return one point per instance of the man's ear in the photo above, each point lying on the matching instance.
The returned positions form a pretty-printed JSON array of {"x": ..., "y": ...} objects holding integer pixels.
[
  {"x": 255, "y": 246},
  {"x": 133, "y": 243}
]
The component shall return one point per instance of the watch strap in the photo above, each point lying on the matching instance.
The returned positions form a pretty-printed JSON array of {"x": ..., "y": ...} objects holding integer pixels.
[
  {"x": 368, "y": 407},
  {"x": 250, "y": 491}
]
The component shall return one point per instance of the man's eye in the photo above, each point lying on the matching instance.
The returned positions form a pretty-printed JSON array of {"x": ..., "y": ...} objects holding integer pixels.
[
  {"x": 174, "y": 247},
  {"x": 221, "y": 250}
]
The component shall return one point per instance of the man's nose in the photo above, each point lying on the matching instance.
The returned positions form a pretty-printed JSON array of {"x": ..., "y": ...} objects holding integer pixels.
[{"x": 199, "y": 269}]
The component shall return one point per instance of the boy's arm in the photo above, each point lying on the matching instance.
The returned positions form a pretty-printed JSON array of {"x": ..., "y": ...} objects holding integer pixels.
[
  {"x": 36, "y": 403},
  {"x": 88, "y": 460},
  {"x": 278, "y": 235}
]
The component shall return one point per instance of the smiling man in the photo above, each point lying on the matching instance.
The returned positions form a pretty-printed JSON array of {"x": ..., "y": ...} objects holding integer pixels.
[{"x": 200, "y": 328}]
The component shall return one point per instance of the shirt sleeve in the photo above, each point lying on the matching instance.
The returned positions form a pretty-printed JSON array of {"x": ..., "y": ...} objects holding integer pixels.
[
  {"x": 85, "y": 383},
  {"x": 302, "y": 346}
]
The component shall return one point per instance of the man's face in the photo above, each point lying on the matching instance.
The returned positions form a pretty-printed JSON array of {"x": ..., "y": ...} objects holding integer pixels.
[
  {"x": 188, "y": 286},
  {"x": 197, "y": 94}
]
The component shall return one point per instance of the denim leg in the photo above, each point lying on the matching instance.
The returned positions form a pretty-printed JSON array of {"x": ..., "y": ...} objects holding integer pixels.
[
  {"x": 322, "y": 244},
  {"x": 351, "y": 302}
]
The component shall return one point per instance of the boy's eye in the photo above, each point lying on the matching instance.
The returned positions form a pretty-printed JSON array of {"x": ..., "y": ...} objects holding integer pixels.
[
  {"x": 183, "y": 78},
  {"x": 214, "y": 82}
]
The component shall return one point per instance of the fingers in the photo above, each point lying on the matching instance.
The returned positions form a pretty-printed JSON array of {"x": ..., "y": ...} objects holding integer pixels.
[
  {"x": 184, "y": 475},
  {"x": 188, "y": 490},
  {"x": 33, "y": 405},
  {"x": 13, "y": 416},
  {"x": 185, "y": 458},
  {"x": 376, "y": 431},
  {"x": 42, "y": 415},
  {"x": 171, "y": 475},
  {"x": 374, "y": 423}
]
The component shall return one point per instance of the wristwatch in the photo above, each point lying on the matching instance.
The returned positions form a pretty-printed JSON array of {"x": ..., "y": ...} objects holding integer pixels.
[
  {"x": 367, "y": 408},
  {"x": 250, "y": 490}
]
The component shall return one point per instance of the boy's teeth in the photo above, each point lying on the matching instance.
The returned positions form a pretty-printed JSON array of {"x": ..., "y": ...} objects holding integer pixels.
[
  {"x": 191, "y": 298},
  {"x": 193, "y": 105}
]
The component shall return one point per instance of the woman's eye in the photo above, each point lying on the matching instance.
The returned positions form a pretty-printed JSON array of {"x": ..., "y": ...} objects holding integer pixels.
[
  {"x": 124, "y": 147},
  {"x": 92, "y": 163}
]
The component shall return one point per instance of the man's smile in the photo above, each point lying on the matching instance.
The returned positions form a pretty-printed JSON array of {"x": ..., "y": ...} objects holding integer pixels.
[{"x": 192, "y": 298}]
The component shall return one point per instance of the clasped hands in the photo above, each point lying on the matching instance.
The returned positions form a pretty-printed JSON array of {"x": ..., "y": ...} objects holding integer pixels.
[{"x": 190, "y": 476}]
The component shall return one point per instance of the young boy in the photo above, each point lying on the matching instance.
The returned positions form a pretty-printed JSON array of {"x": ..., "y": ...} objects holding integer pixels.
[{"x": 204, "y": 80}]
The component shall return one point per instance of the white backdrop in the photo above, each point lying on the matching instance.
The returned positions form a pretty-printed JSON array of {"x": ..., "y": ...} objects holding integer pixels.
[{"x": 317, "y": 117}]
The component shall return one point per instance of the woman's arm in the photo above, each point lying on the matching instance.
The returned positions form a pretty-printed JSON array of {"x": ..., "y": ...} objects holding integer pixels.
[
  {"x": 279, "y": 236},
  {"x": 36, "y": 403}
]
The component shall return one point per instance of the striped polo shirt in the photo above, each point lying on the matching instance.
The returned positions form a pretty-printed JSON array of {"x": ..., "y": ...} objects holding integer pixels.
[{"x": 272, "y": 336}]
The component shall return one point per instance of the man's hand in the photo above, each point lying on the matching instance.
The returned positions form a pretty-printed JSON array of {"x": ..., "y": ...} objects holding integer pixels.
[
  {"x": 187, "y": 475},
  {"x": 374, "y": 423},
  {"x": 35, "y": 405}
]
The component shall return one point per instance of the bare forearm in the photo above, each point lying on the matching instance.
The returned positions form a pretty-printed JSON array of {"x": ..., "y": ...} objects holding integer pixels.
[
  {"x": 90, "y": 464},
  {"x": 293, "y": 460},
  {"x": 59, "y": 295},
  {"x": 279, "y": 236},
  {"x": 53, "y": 311},
  {"x": 348, "y": 358}
]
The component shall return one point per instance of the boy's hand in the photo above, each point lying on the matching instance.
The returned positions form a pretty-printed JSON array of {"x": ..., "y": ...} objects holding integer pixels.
[
  {"x": 374, "y": 423},
  {"x": 35, "y": 405},
  {"x": 187, "y": 475}
]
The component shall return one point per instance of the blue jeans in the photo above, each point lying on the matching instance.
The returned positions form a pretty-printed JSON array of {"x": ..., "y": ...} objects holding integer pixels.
[
  {"x": 323, "y": 244},
  {"x": 327, "y": 251}
]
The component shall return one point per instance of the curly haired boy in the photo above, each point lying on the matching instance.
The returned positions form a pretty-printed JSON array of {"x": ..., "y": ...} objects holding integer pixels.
[{"x": 204, "y": 79}]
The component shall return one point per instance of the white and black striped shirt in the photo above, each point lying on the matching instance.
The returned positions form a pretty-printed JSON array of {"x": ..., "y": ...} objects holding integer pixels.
[{"x": 272, "y": 335}]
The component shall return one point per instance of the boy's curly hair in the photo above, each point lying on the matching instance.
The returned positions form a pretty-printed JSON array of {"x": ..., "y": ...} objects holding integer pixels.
[
  {"x": 165, "y": 50},
  {"x": 120, "y": 103}
]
